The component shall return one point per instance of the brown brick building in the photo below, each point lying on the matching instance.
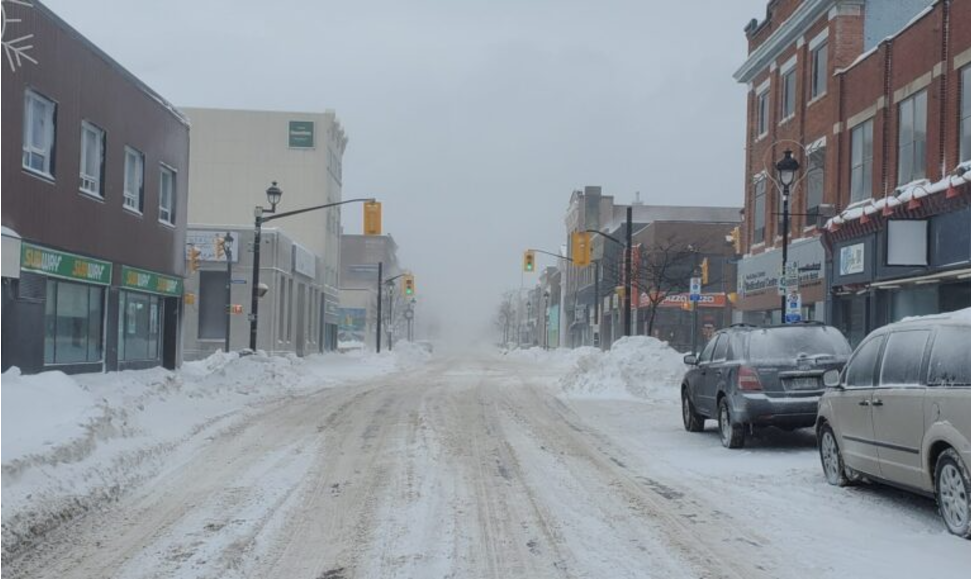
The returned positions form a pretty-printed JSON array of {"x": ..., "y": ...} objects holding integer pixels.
[{"x": 866, "y": 94}]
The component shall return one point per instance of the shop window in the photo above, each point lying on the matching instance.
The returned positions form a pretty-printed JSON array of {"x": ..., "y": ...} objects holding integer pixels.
[
  {"x": 73, "y": 318},
  {"x": 915, "y": 301},
  {"x": 212, "y": 305},
  {"x": 139, "y": 326}
]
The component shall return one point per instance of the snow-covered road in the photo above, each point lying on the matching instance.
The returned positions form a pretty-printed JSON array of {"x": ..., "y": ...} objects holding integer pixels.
[{"x": 475, "y": 465}]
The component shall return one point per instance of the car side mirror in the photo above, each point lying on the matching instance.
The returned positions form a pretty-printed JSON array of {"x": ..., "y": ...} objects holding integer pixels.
[
  {"x": 831, "y": 379},
  {"x": 691, "y": 359}
]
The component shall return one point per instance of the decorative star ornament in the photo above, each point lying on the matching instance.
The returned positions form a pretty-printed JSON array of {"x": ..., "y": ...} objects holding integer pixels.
[{"x": 17, "y": 50}]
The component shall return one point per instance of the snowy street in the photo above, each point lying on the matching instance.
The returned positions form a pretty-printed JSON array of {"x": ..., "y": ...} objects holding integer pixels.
[{"x": 483, "y": 465}]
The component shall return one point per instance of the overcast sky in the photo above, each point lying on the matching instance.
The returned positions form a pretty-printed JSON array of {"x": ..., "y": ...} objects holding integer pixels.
[{"x": 472, "y": 121}]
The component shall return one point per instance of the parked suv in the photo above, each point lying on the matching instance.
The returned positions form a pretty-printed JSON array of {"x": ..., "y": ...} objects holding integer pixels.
[
  {"x": 750, "y": 376},
  {"x": 901, "y": 413}
]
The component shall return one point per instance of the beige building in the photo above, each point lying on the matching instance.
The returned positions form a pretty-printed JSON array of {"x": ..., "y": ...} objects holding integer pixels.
[{"x": 235, "y": 156}]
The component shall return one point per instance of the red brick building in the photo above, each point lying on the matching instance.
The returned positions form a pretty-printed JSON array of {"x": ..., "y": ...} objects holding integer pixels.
[{"x": 867, "y": 96}]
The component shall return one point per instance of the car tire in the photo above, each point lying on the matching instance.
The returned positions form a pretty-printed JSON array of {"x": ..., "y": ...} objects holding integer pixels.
[
  {"x": 831, "y": 458},
  {"x": 693, "y": 422},
  {"x": 732, "y": 434},
  {"x": 952, "y": 488}
]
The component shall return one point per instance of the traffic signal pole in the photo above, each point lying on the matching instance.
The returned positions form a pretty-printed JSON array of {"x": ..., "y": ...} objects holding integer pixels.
[
  {"x": 629, "y": 269},
  {"x": 228, "y": 250},
  {"x": 380, "y": 286}
]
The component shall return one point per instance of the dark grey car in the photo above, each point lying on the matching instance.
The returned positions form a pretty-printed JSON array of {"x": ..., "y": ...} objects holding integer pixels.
[{"x": 750, "y": 376}]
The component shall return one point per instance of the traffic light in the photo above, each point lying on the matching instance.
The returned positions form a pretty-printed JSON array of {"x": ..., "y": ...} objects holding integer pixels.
[
  {"x": 372, "y": 218},
  {"x": 529, "y": 261},
  {"x": 194, "y": 253},
  {"x": 408, "y": 286},
  {"x": 580, "y": 248},
  {"x": 704, "y": 271},
  {"x": 220, "y": 247},
  {"x": 735, "y": 238}
]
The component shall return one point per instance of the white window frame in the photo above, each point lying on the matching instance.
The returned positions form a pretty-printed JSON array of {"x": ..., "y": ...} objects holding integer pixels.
[
  {"x": 92, "y": 184},
  {"x": 918, "y": 167},
  {"x": 965, "y": 125},
  {"x": 762, "y": 105},
  {"x": 47, "y": 151},
  {"x": 865, "y": 163},
  {"x": 760, "y": 181},
  {"x": 163, "y": 211},
  {"x": 787, "y": 73},
  {"x": 133, "y": 200},
  {"x": 818, "y": 80}
]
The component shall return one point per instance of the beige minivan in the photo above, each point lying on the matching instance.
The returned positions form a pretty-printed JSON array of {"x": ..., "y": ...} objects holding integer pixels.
[{"x": 900, "y": 413}]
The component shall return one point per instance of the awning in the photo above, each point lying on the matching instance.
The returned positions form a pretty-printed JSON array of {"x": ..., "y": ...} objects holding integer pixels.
[
  {"x": 11, "y": 254},
  {"x": 951, "y": 275}
]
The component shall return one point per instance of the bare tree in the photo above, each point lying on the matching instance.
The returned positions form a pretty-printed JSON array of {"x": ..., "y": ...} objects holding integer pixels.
[{"x": 506, "y": 315}]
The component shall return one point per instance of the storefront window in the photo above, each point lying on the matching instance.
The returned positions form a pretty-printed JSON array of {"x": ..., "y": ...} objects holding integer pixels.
[
  {"x": 139, "y": 326},
  {"x": 916, "y": 301},
  {"x": 73, "y": 318}
]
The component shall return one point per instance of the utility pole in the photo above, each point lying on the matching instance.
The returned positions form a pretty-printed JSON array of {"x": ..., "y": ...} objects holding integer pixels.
[
  {"x": 255, "y": 290},
  {"x": 598, "y": 338},
  {"x": 228, "y": 250},
  {"x": 629, "y": 269},
  {"x": 390, "y": 316},
  {"x": 380, "y": 286}
]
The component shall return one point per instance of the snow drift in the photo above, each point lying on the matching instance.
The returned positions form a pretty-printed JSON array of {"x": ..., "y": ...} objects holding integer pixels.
[{"x": 636, "y": 367}]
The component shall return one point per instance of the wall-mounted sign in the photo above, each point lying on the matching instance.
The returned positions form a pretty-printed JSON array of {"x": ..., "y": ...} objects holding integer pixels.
[
  {"x": 851, "y": 259},
  {"x": 301, "y": 135},
  {"x": 760, "y": 273},
  {"x": 907, "y": 243},
  {"x": 64, "y": 265},
  {"x": 206, "y": 241},
  {"x": 708, "y": 300},
  {"x": 304, "y": 261},
  {"x": 145, "y": 281}
]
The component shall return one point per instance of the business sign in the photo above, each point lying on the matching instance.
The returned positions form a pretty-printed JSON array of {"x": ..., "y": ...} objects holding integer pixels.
[
  {"x": 760, "y": 274},
  {"x": 304, "y": 261},
  {"x": 695, "y": 293},
  {"x": 64, "y": 265},
  {"x": 711, "y": 300},
  {"x": 851, "y": 259},
  {"x": 301, "y": 135},
  {"x": 206, "y": 241},
  {"x": 793, "y": 307},
  {"x": 145, "y": 281}
]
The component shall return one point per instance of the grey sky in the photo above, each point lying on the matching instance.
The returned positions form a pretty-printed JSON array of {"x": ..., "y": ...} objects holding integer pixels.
[{"x": 473, "y": 121}]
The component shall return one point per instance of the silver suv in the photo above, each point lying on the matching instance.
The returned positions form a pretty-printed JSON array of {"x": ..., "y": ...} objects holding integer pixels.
[{"x": 901, "y": 413}]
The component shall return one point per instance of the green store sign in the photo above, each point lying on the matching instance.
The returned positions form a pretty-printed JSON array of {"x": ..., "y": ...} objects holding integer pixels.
[
  {"x": 135, "y": 279},
  {"x": 301, "y": 135},
  {"x": 64, "y": 265}
]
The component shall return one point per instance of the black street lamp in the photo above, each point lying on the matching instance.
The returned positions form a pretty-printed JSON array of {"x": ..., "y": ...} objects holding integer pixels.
[
  {"x": 273, "y": 195},
  {"x": 787, "y": 168}
]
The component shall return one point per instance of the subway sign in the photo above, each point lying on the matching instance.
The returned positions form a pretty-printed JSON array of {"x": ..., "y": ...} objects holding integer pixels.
[
  {"x": 64, "y": 265},
  {"x": 145, "y": 281}
]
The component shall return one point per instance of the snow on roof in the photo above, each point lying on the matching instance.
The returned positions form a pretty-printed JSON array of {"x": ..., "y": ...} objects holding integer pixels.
[{"x": 903, "y": 194}]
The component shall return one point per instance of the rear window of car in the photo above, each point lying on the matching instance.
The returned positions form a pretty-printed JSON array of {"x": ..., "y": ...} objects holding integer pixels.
[
  {"x": 791, "y": 342},
  {"x": 950, "y": 363}
]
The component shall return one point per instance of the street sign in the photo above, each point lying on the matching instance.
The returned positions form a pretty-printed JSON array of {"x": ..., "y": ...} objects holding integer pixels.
[
  {"x": 235, "y": 308},
  {"x": 794, "y": 307},
  {"x": 694, "y": 295}
]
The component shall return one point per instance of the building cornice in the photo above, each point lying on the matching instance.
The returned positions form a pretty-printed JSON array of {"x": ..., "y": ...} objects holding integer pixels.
[{"x": 787, "y": 34}]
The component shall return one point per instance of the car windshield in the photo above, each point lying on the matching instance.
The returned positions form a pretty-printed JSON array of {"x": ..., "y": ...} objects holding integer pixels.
[{"x": 796, "y": 341}]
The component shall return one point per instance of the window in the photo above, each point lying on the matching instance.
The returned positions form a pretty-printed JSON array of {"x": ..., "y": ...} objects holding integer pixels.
[
  {"x": 966, "y": 113},
  {"x": 912, "y": 139},
  {"x": 818, "y": 58},
  {"x": 950, "y": 364},
  {"x": 290, "y": 310},
  {"x": 72, "y": 323},
  {"x": 92, "y": 159},
  {"x": 721, "y": 349},
  {"x": 139, "y": 326},
  {"x": 166, "y": 195},
  {"x": 860, "y": 370},
  {"x": 709, "y": 349},
  {"x": 788, "y": 94},
  {"x": 861, "y": 161},
  {"x": 281, "y": 328},
  {"x": 815, "y": 184},
  {"x": 38, "y": 146},
  {"x": 134, "y": 179},
  {"x": 212, "y": 305},
  {"x": 758, "y": 235},
  {"x": 903, "y": 357},
  {"x": 762, "y": 113}
]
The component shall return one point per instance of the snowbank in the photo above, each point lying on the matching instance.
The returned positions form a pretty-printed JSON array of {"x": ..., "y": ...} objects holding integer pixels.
[
  {"x": 637, "y": 367},
  {"x": 70, "y": 443}
]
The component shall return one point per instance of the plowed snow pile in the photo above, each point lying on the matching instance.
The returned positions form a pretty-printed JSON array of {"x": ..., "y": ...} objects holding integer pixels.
[{"x": 636, "y": 367}]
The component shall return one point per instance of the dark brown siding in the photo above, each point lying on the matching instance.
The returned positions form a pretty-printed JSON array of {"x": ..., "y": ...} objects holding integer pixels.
[{"x": 85, "y": 84}]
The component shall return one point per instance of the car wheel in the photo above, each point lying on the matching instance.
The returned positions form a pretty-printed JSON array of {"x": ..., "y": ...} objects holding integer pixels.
[
  {"x": 952, "y": 486},
  {"x": 731, "y": 433},
  {"x": 832, "y": 458},
  {"x": 693, "y": 422}
]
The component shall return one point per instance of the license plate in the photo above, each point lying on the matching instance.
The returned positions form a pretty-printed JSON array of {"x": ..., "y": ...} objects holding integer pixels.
[{"x": 803, "y": 383}]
